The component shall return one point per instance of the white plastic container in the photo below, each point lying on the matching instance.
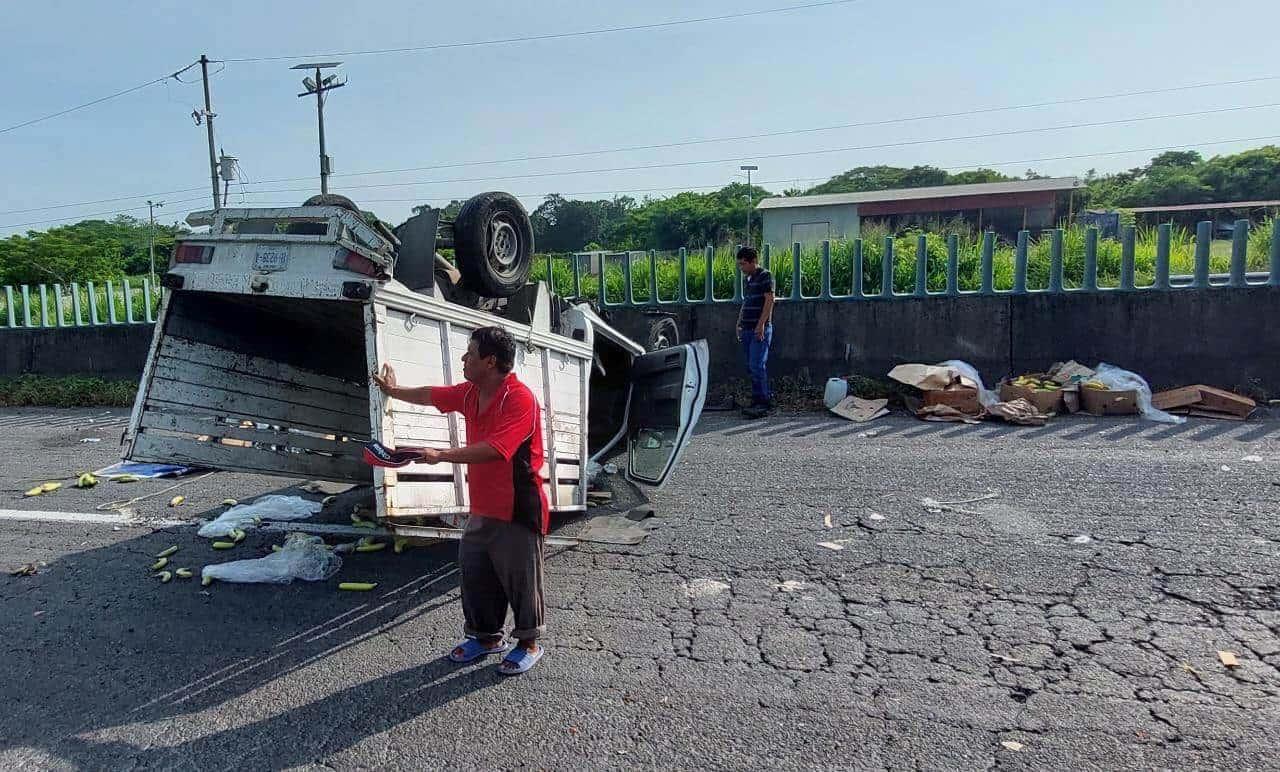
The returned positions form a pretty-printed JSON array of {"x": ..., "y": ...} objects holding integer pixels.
[{"x": 837, "y": 389}]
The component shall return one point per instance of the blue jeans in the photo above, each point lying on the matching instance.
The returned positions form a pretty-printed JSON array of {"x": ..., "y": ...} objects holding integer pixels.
[{"x": 756, "y": 354}]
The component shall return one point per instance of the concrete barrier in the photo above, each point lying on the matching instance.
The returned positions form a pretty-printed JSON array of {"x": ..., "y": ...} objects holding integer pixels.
[
  {"x": 109, "y": 351},
  {"x": 1223, "y": 337}
]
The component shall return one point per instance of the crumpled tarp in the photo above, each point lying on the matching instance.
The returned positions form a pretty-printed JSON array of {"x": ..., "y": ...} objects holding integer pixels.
[{"x": 244, "y": 516}]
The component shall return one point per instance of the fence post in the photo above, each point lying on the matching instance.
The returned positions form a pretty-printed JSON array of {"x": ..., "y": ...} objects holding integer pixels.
[
  {"x": 26, "y": 305},
  {"x": 577, "y": 276},
  {"x": 128, "y": 302},
  {"x": 551, "y": 271},
  {"x": 8, "y": 299},
  {"x": 886, "y": 269},
  {"x": 44, "y": 306},
  {"x": 148, "y": 312},
  {"x": 953, "y": 265},
  {"x": 682, "y": 283},
  {"x": 1163, "y": 232},
  {"x": 737, "y": 277},
  {"x": 629, "y": 297},
  {"x": 1239, "y": 254},
  {"x": 922, "y": 266},
  {"x": 1055, "y": 260},
  {"x": 825, "y": 293},
  {"x": 1273, "y": 278},
  {"x": 1020, "y": 263},
  {"x": 988, "y": 259},
  {"x": 1204, "y": 236},
  {"x": 112, "y": 316},
  {"x": 855, "y": 288},
  {"x": 1127, "y": 238},
  {"x": 1090, "y": 282},
  {"x": 57, "y": 298},
  {"x": 653, "y": 278},
  {"x": 766, "y": 254},
  {"x": 709, "y": 253},
  {"x": 93, "y": 306},
  {"x": 76, "y": 321},
  {"x": 797, "y": 293}
]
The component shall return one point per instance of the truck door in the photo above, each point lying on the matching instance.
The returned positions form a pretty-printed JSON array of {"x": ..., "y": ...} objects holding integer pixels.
[{"x": 668, "y": 390}]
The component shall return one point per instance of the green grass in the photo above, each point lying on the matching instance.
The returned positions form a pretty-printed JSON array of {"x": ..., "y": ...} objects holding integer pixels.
[
  {"x": 1181, "y": 261},
  {"x": 38, "y": 306},
  {"x": 69, "y": 391}
]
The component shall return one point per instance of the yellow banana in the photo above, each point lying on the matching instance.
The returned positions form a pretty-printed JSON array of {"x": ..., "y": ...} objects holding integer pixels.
[
  {"x": 50, "y": 487},
  {"x": 86, "y": 480},
  {"x": 229, "y": 502},
  {"x": 373, "y": 547},
  {"x": 165, "y": 576},
  {"x": 166, "y": 553},
  {"x": 159, "y": 564},
  {"x": 205, "y": 581},
  {"x": 183, "y": 573},
  {"x": 34, "y": 492},
  {"x": 357, "y": 586},
  {"x": 176, "y": 501},
  {"x": 223, "y": 545}
]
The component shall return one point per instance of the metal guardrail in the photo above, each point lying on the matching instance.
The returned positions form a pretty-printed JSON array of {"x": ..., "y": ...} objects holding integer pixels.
[
  {"x": 92, "y": 304},
  {"x": 1201, "y": 278}
]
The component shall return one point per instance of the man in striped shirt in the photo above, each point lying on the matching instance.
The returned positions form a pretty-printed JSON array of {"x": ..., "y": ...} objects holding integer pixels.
[{"x": 755, "y": 329}]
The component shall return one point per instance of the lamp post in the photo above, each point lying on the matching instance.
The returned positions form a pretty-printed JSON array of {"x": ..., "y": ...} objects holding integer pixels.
[{"x": 748, "y": 168}]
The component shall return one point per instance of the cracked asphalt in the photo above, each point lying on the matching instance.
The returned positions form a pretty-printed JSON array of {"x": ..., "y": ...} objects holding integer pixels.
[{"x": 1059, "y": 604}]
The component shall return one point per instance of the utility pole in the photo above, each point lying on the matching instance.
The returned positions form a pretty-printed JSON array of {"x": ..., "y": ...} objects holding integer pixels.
[
  {"x": 208, "y": 123},
  {"x": 151, "y": 235},
  {"x": 748, "y": 168},
  {"x": 318, "y": 86}
]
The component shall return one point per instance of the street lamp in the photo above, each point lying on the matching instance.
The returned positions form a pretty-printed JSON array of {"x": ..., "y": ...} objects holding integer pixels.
[
  {"x": 748, "y": 168},
  {"x": 318, "y": 86}
]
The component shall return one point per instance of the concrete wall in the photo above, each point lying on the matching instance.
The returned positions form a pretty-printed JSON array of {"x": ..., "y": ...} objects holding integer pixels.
[
  {"x": 112, "y": 352},
  {"x": 1222, "y": 337},
  {"x": 778, "y": 232}
]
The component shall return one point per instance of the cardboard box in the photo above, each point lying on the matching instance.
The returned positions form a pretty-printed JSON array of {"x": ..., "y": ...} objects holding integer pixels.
[
  {"x": 1050, "y": 402},
  {"x": 1202, "y": 400},
  {"x": 1108, "y": 402},
  {"x": 962, "y": 398}
]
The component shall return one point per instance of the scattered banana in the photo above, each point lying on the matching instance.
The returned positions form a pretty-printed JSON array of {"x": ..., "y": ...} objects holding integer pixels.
[
  {"x": 159, "y": 564},
  {"x": 401, "y": 543},
  {"x": 165, "y": 576},
  {"x": 176, "y": 501},
  {"x": 205, "y": 581},
  {"x": 237, "y": 536},
  {"x": 86, "y": 480},
  {"x": 1099, "y": 385},
  {"x": 276, "y": 548},
  {"x": 223, "y": 545},
  {"x": 126, "y": 478},
  {"x": 372, "y": 546},
  {"x": 34, "y": 492},
  {"x": 357, "y": 586},
  {"x": 166, "y": 553},
  {"x": 229, "y": 502},
  {"x": 183, "y": 573},
  {"x": 50, "y": 487}
]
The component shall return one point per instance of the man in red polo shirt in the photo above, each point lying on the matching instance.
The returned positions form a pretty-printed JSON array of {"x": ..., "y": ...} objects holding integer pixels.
[{"x": 500, "y": 554}]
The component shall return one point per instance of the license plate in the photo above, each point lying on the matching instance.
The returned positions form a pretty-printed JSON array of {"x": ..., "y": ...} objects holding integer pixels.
[{"x": 275, "y": 258}]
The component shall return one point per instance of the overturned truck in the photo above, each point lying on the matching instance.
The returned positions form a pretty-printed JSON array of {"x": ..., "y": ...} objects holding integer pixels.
[{"x": 274, "y": 319}]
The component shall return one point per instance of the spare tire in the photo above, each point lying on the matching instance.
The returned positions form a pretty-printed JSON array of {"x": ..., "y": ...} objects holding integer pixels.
[
  {"x": 332, "y": 199},
  {"x": 493, "y": 244}
]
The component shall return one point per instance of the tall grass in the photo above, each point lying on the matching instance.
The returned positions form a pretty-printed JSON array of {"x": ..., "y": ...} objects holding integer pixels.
[
  {"x": 49, "y": 304},
  {"x": 969, "y": 259}
]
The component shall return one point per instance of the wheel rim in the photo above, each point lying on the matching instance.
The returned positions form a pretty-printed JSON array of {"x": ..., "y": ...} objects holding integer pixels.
[{"x": 504, "y": 246}]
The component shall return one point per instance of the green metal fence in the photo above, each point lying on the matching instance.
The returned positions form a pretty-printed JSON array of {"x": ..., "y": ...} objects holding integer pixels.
[{"x": 88, "y": 304}]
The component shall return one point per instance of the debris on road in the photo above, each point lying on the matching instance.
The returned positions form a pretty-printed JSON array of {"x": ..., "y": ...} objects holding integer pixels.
[
  {"x": 1225, "y": 468},
  {"x": 357, "y": 586},
  {"x": 183, "y": 573},
  {"x": 223, "y": 545},
  {"x": 177, "y": 501},
  {"x": 952, "y": 391},
  {"x": 1039, "y": 390},
  {"x": 831, "y": 545},
  {"x": 935, "y": 507},
  {"x": 86, "y": 480},
  {"x": 36, "y": 491},
  {"x": 303, "y": 557},
  {"x": 861, "y": 410},
  {"x": 869, "y": 434},
  {"x": 835, "y": 392},
  {"x": 704, "y": 588},
  {"x": 327, "y": 488},
  {"x": 875, "y": 516},
  {"x": 159, "y": 564},
  {"x": 1020, "y": 411},
  {"x": 274, "y": 507},
  {"x": 136, "y": 471},
  {"x": 826, "y": 519},
  {"x": 27, "y": 569},
  {"x": 1013, "y": 745},
  {"x": 167, "y": 551},
  {"x": 1228, "y": 659},
  {"x": 790, "y": 585},
  {"x": 1205, "y": 402},
  {"x": 1252, "y": 459},
  {"x": 1083, "y": 538},
  {"x": 1125, "y": 393},
  {"x": 229, "y": 502},
  {"x": 90, "y": 440},
  {"x": 165, "y": 576},
  {"x": 605, "y": 529}
]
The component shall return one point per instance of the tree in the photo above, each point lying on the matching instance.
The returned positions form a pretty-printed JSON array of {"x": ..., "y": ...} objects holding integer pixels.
[{"x": 84, "y": 251}]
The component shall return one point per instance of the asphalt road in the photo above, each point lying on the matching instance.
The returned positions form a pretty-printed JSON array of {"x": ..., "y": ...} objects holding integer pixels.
[{"x": 1076, "y": 613}]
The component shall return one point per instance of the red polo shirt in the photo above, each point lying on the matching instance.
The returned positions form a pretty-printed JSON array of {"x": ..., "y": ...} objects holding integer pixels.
[{"x": 508, "y": 489}]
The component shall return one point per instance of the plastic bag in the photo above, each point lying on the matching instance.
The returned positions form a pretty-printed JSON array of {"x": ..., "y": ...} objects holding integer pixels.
[
  {"x": 265, "y": 508},
  {"x": 303, "y": 557},
  {"x": 966, "y": 370},
  {"x": 1119, "y": 379}
]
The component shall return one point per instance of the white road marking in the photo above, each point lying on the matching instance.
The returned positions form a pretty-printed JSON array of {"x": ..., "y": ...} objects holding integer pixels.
[{"x": 91, "y": 518}]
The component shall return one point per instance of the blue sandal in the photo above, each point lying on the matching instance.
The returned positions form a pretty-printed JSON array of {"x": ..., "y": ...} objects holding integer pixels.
[
  {"x": 472, "y": 649},
  {"x": 520, "y": 660}
]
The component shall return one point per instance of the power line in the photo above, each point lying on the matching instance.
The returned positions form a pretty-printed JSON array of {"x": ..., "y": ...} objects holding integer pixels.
[
  {"x": 709, "y": 140},
  {"x": 96, "y": 214},
  {"x": 548, "y": 36},
  {"x": 802, "y": 153},
  {"x": 99, "y": 100}
]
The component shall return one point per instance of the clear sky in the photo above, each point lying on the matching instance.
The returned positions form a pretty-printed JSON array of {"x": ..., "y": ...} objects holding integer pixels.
[{"x": 872, "y": 60}]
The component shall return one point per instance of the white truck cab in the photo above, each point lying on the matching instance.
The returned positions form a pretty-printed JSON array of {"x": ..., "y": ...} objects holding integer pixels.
[{"x": 275, "y": 318}]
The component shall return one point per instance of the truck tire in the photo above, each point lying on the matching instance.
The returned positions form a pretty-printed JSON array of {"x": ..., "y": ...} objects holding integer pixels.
[
  {"x": 332, "y": 199},
  {"x": 493, "y": 244},
  {"x": 663, "y": 333}
]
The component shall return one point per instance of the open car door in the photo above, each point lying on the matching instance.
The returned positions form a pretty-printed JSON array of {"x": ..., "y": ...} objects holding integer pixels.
[{"x": 668, "y": 390}]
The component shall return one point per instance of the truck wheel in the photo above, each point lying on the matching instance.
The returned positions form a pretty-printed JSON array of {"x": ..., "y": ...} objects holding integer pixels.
[
  {"x": 332, "y": 199},
  {"x": 663, "y": 333},
  {"x": 493, "y": 244}
]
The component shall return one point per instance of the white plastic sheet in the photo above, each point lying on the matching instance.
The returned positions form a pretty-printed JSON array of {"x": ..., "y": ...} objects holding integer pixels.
[
  {"x": 303, "y": 557},
  {"x": 1119, "y": 379},
  {"x": 266, "y": 508},
  {"x": 967, "y": 371}
]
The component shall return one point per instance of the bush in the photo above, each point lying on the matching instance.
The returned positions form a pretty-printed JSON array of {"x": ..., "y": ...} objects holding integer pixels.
[{"x": 70, "y": 391}]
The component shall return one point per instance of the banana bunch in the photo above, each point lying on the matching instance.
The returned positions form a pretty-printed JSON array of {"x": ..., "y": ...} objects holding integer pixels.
[
  {"x": 1036, "y": 384},
  {"x": 1095, "y": 384}
]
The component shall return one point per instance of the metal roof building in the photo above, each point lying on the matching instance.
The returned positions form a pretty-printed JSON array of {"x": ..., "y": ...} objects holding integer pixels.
[{"x": 1004, "y": 207}]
